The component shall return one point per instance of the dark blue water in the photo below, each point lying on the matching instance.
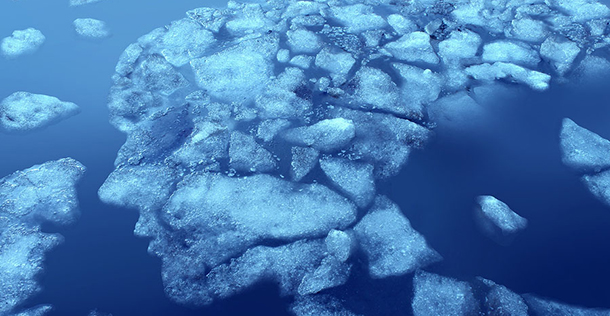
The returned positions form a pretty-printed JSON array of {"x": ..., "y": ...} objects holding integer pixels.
[{"x": 562, "y": 255}]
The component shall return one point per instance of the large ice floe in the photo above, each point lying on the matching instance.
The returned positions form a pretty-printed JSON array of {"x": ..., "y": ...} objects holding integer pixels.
[
  {"x": 257, "y": 134},
  {"x": 44, "y": 193},
  {"x": 25, "y": 112},
  {"x": 589, "y": 154},
  {"x": 22, "y": 42}
]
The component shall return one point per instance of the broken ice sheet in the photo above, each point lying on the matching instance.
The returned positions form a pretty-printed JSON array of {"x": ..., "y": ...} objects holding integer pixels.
[{"x": 25, "y": 112}]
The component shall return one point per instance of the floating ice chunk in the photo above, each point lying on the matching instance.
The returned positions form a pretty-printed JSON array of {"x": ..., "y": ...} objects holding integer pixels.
[
  {"x": 283, "y": 56},
  {"x": 268, "y": 129},
  {"x": 327, "y": 135},
  {"x": 540, "y": 306},
  {"x": 210, "y": 18},
  {"x": 42, "y": 193},
  {"x": 339, "y": 244},
  {"x": 376, "y": 90},
  {"x": 232, "y": 75},
  {"x": 419, "y": 88},
  {"x": 355, "y": 179},
  {"x": 401, "y": 24},
  {"x": 392, "y": 246},
  {"x": 319, "y": 305},
  {"x": 24, "y": 111},
  {"x": 582, "y": 149},
  {"x": 248, "y": 156},
  {"x": 74, "y": 3},
  {"x": 593, "y": 70},
  {"x": 91, "y": 28},
  {"x": 280, "y": 100},
  {"x": 252, "y": 18},
  {"x": 560, "y": 53},
  {"x": 22, "y": 42},
  {"x": 184, "y": 41},
  {"x": 259, "y": 206},
  {"x": 304, "y": 159},
  {"x": 413, "y": 47},
  {"x": 500, "y": 70},
  {"x": 330, "y": 273},
  {"x": 529, "y": 30},
  {"x": 582, "y": 10},
  {"x": 122, "y": 188},
  {"x": 156, "y": 74},
  {"x": 435, "y": 295},
  {"x": 36, "y": 311},
  {"x": 338, "y": 64},
  {"x": 301, "y": 61},
  {"x": 304, "y": 41},
  {"x": 510, "y": 52},
  {"x": 599, "y": 185},
  {"x": 459, "y": 45},
  {"x": 501, "y": 301},
  {"x": 458, "y": 110},
  {"x": 128, "y": 59},
  {"x": 358, "y": 18},
  {"x": 497, "y": 220}
]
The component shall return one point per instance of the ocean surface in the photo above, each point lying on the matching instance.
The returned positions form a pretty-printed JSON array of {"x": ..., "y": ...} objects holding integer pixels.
[{"x": 515, "y": 156}]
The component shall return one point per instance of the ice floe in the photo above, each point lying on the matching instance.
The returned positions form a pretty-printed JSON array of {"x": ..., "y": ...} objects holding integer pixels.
[
  {"x": 24, "y": 111},
  {"x": 22, "y": 42}
]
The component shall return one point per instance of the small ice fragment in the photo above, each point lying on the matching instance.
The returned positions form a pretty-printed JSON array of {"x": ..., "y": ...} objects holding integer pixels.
[
  {"x": 91, "y": 28},
  {"x": 391, "y": 245},
  {"x": 24, "y": 111},
  {"x": 339, "y": 244},
  {"x": 303, "y": 160},
  {"x": 22, "y": 42},
  {"x": 582, "y": 149},
  {"x": 497, "y": 220},
  {"x": 304, "y": 41}
]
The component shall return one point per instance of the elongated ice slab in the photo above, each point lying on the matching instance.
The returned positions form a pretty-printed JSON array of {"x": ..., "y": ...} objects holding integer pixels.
[
  {"x": 29, "y": 198},
  {"x": 91, "y": 28},
  {"x": 24, "y": 111},
  {"x": 497, "y": 220},
  {"x": 22, "y": 42}
]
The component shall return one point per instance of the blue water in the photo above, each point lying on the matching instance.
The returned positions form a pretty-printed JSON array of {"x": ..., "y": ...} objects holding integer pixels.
[{"x": 562, "y": 255}]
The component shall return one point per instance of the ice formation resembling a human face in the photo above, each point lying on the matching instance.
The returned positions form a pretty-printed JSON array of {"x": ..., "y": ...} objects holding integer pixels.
[{"x": 256, "y": 135}]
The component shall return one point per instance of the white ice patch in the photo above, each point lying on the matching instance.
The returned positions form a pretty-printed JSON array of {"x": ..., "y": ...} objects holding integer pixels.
[
  {"x": 582, "y": 149},
  {"x": 497, "y": 220},
  {"x": 391, "y": 245},
  {"x": 413, "y": 47},
  {"x": 24, "y": 111},
  {"x": 326, "y": 136},
  {"x": 91, "y": 28},
  {"x": 22, "y": 42}
]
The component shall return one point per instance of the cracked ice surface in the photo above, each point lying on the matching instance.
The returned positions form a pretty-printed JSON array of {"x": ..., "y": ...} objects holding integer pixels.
[
  {"x": 22, "y": 42},
  {"x": 42, "y": 193},
  {"x": 255, "y": 142},
  {"x": 24, "y": 111}
]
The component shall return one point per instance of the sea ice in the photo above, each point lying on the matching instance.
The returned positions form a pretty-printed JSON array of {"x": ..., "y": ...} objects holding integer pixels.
[
  {"x": 391, "y": 245},
  {"x": 304, "y": 159},
  {"x": 413, "y": 47},
  {"x": 355, "y": 179},
  {"x": 540, "y": 306},
  {"x": 91, "y": 28},
  {"x": 561, "y": 53},
  {"x": 497, "y": 220},
  {"x": 435, "y": 295},
  {"x": 24, "y": 111},
  {"x": 582, "y": 149},
  {"x": 510, "y": 52},
  {"x": 326, "y": 136},
  {"x": 74, "y": 3},
  {"x": 319, "y": 305},
  {"x": 22, "y": 42},
  {"x": 599, "y": 185},
  {"x": 500, "y": 301}
]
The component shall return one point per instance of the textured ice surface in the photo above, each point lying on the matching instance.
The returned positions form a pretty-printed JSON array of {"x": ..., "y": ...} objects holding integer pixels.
[
  {"x": 29, "y": 198},
  {"x": 435, "y": 295},
  {"x": 74, "y": 3},
  {"x": 497, "y": 220},
  {"x": 256, "y": 134},
  {"x": 22, "y": 42},
  {"x": 543, "y": 307},
  {"x": 91, "y": 28},
  {"x": 391, "y": 245},
  {"x": 319, "y": 305},
  {"x": 500, "y": 301},
  {"x": 582, "y": 149},
  {"x": 24, "y": 111}
]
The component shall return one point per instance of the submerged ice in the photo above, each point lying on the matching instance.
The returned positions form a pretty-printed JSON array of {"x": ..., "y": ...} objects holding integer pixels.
[
  {"x": 41, "y": 194},
  {"x": 497, "y": 220},
  {"x": 257, "y": 135}
]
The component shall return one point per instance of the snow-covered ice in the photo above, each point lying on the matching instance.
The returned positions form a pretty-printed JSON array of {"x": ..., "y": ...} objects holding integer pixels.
[
  {"x": 22, "y": 42},
  {"x": 24, "y": 111},
  {"x": 91, "y": 28}
]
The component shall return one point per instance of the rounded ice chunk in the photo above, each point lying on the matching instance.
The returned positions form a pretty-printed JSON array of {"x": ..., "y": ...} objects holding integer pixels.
[
  {"x": 25, "y": 112},
  {"x": 582, "y": 149},
  {"x": 497, "y": 220},
  {"x": 91, "y": 28},
  {"x": 391, "y": 245},
  {"x": 22, "y": 42}
]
